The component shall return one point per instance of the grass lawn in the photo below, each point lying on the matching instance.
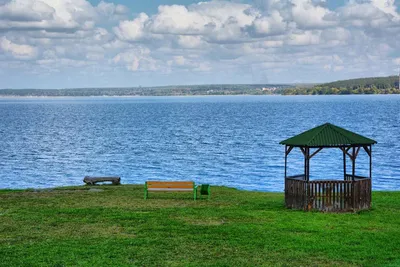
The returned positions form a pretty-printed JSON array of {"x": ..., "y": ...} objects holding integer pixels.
[{"x": 73, "y": 226}]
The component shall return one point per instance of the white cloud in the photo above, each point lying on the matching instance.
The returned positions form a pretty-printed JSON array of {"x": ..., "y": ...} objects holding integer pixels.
[
  {"x": 360, "y": 12},
  {"x": 304, "y": 38},
  {"x": 307, "y": 14},
  {"x": 137, "y": 58},
  {"x": 188, "y": 64},
  {"x": 314, "y": 59},
  {"x": 26, "y": 11},
  {"x": 191, "y": 42},
  {"x": 55, "y": 15},
  {"x": 178, "y": 19},
  {"x": 53, "y": 64},
  {"x": 132, "y": 30},
  {"x": 111, "y": 9},
  {"x": 396, "y": 61},
  {"x": 216, "y": 21},
  {"x": 220, "y": 37},
  {"x": 387, "y": 6},
  {"x": 338, "y": 68},
  {"x": 50, "y": 15},
  {"x": 337, "y": 59},
  {"x": 334, "y": 68},
  {"x": 336, "y": 36},
  {"x": 179, "y": 60},
  {"x": 269, "y": 25},
  {"x": 16, "y": 50}
]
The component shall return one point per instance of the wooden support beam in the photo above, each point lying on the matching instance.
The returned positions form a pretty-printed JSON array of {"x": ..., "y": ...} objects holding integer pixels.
[
  {"x": 367, "y": 150},
  {"x": 303, "y": 150},
  {"x": 346, "y": 151},
  {"x": 288, "y": 150},
  {"x": 357, "y": 151},
  {"x": 350, "y": 155},
  {"x": 316, "y": 152}
]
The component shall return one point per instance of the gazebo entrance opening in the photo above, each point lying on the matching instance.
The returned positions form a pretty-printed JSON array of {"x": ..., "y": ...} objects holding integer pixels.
[{"x": 350, "y": 193}]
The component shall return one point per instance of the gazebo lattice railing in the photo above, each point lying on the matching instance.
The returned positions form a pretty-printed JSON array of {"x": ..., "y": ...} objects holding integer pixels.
[{"x": 350, "y": 194}]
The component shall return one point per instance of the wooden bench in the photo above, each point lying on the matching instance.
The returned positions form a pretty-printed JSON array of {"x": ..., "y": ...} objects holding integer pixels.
[
  {"x": 168, "y": 186},
  {"x": 93, "y": 180}
]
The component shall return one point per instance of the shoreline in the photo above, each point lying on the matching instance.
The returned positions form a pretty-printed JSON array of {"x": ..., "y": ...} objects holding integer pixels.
[
  {"x": 183, "y": 96},
  {"x": 83, "y": 186}
]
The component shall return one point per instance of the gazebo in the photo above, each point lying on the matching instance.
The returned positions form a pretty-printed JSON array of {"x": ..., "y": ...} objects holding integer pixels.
[{"x": 352, "y": 193}]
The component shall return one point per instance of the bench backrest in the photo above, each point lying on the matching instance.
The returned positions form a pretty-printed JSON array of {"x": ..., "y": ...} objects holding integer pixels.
[{"x": 169, "y": 184}]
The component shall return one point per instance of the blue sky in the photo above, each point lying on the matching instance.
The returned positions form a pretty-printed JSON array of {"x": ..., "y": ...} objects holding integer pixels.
[
  {"x": 151, "y": 6},
  {"x": 80, "y": 43}
]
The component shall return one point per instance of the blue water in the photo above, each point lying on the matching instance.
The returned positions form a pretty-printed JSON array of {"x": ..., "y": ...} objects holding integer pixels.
[{"x": 227, "y": 140}]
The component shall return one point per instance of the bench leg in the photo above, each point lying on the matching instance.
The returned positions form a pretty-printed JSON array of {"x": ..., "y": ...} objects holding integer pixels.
[
  {"x": 194, "y": 191},
  {"x": 146, "y": 192}
]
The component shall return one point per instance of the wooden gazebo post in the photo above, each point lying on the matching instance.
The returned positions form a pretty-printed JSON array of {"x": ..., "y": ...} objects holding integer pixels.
[
  {"x": 370, "y": 161},
  {"x": 287, "y": 151},
  {"x": 285, "y": 161},
  {"x": 344, "y": 163},
  {"x": 353, "y": 163}
]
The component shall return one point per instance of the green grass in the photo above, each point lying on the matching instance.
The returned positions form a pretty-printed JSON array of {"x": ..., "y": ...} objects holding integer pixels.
[{"x": 116, "y": 227}]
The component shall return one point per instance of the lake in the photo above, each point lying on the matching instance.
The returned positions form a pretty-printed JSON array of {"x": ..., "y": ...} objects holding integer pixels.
[{"x": 221, "y": 140}]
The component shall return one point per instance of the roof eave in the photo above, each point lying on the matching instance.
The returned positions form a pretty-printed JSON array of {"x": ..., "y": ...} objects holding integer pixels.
[{"x": 333, "y": 145}]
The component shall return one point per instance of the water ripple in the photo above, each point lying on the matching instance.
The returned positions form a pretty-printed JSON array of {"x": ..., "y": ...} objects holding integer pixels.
[{"x": 232, "y": 141}]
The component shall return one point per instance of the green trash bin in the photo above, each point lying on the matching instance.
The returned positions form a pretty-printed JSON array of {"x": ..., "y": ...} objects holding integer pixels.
[{"x": 205, "y": 190}]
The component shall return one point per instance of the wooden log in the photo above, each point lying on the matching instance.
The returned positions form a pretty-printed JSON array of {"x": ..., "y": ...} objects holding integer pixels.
[{"x": 115, "y": 180}]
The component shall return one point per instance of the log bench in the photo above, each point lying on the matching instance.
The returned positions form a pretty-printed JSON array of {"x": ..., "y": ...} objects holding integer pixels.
[
  {"x": 93, "y": 180},
  {"x": 168, "y": 186}
]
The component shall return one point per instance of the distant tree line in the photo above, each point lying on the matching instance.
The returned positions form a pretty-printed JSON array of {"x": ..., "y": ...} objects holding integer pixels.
[
  {"x": 217, "y": 89},
  {"x": 377, "y": 85}
]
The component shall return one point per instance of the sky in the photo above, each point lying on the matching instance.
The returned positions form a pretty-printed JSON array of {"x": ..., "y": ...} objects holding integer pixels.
[{"x": 129, "y": 43}]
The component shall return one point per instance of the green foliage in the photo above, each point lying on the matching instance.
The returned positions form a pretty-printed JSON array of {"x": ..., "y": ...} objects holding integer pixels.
[
  {"x": 377, "y": 85},
  {"x": 116, "y": 227}
]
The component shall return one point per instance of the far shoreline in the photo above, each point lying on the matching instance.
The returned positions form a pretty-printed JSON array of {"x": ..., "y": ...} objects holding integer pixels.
[{"x": 183, "y": 96}]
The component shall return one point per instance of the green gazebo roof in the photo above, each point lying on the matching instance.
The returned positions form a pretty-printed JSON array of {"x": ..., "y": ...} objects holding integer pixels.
[{"x": 327, "y": 135}]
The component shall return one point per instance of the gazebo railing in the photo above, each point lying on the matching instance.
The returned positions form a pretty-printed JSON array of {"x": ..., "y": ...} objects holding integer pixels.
[
  {"x": 327, "y": 195},
  {"x": 362, "y": 193},
  {"x": 297, "y": 177},
  {"x": 349, "y": 177},
  {"x": 295, "y": 191}
]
